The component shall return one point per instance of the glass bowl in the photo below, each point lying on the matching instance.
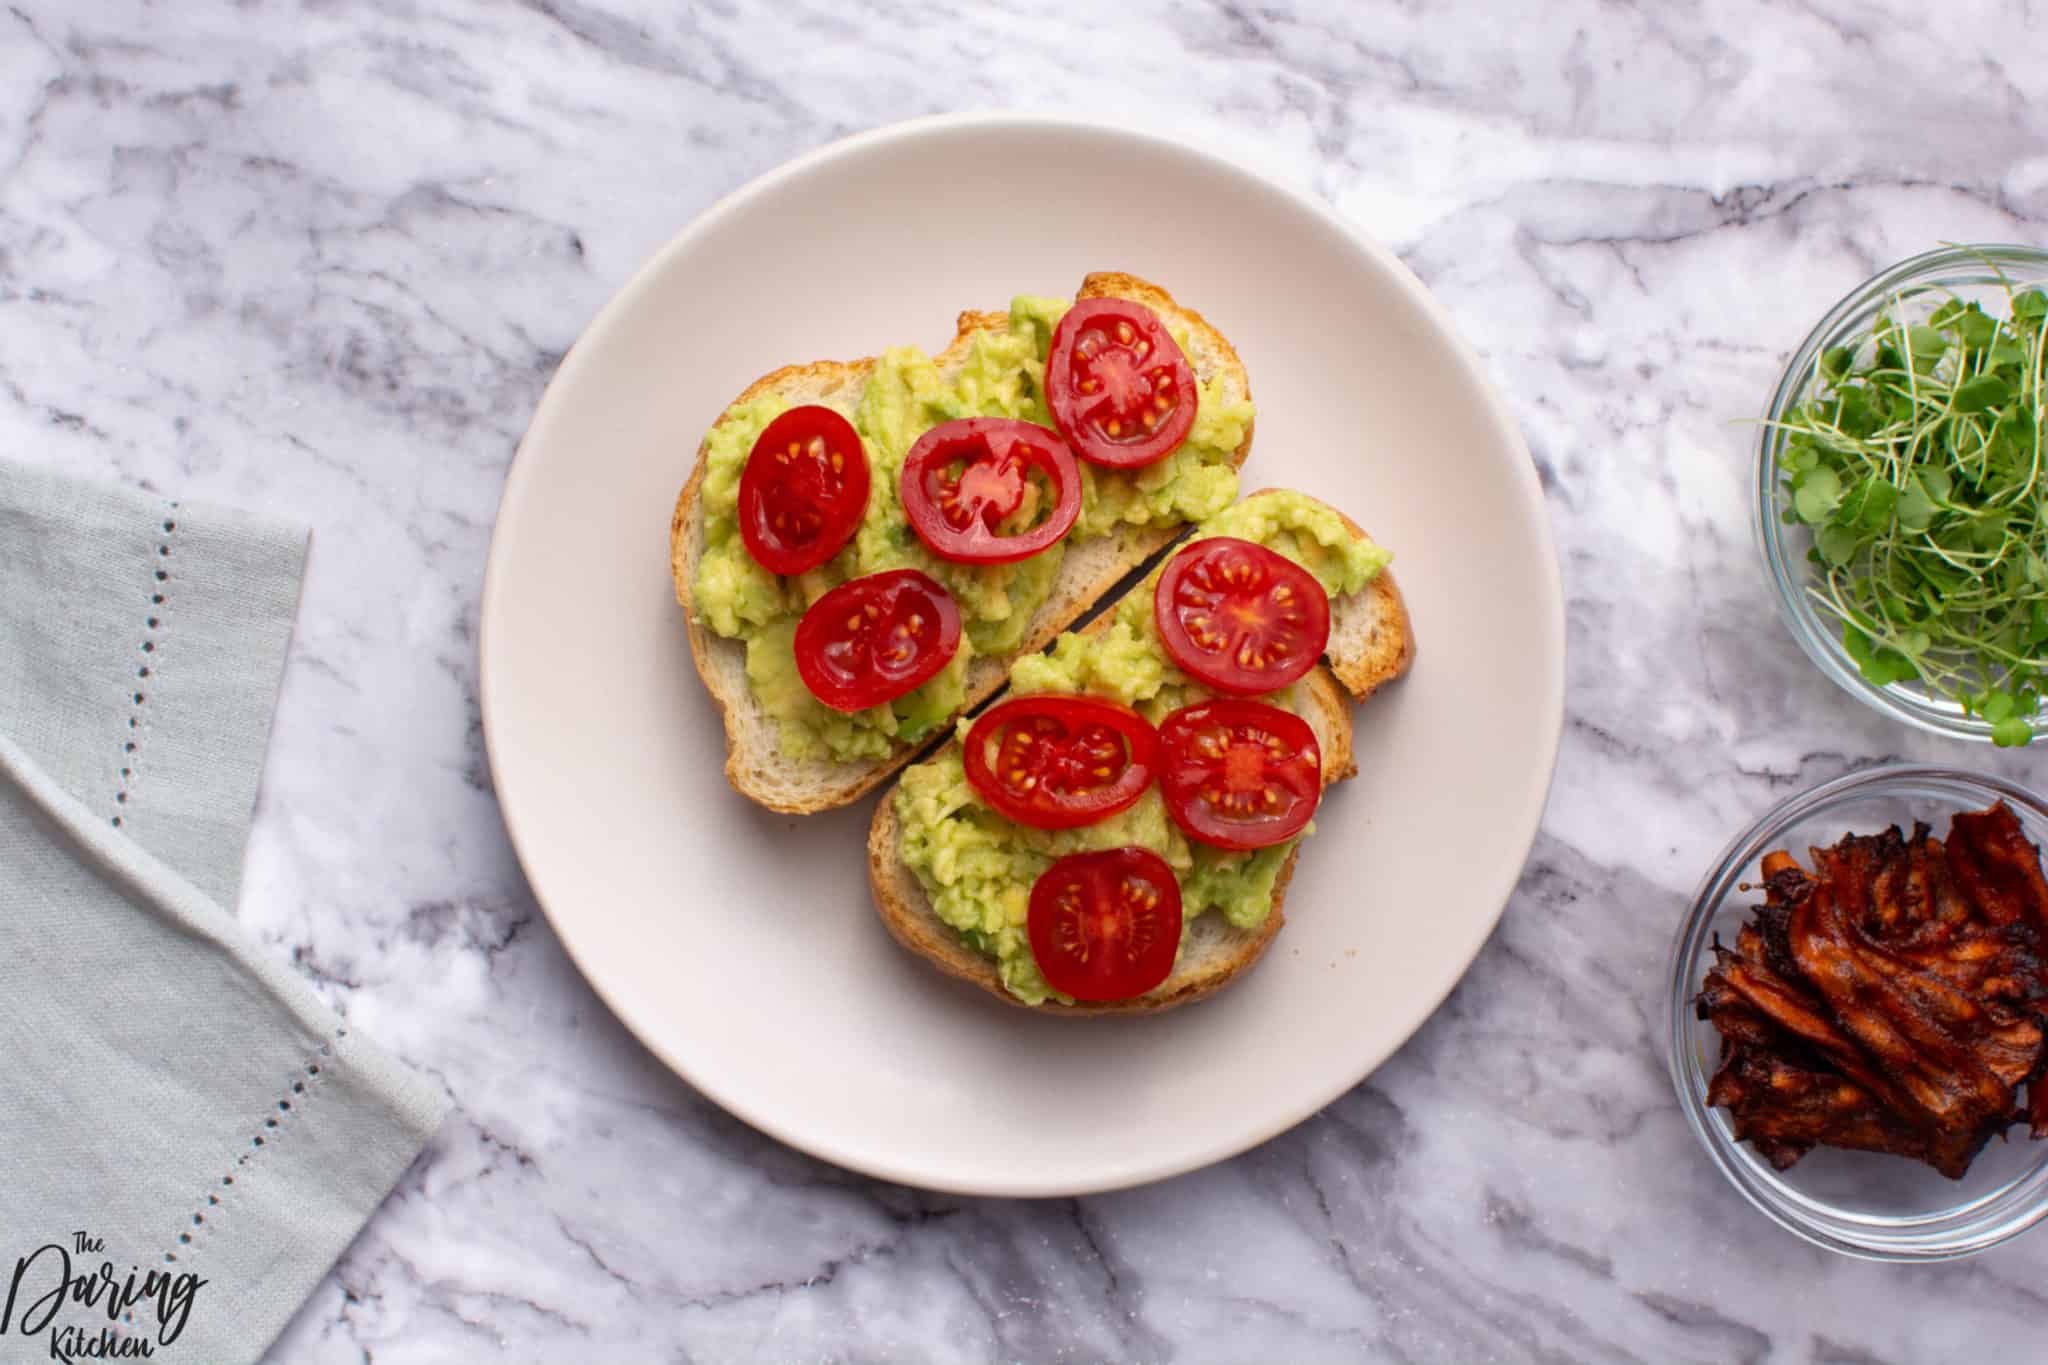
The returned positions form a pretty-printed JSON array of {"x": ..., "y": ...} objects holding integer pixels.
[
  {"x": 1862, "y": 1204},
  {"x": 1914, "y": 287}
]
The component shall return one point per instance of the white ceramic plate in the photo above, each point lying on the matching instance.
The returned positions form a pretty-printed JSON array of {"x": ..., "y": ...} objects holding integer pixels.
[{"x": 741, "y": 945}]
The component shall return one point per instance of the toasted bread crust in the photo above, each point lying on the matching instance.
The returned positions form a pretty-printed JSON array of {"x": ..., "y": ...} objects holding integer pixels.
[
  {"x": 754, "y": 764},
  {"x": 1385, "y": 646}
]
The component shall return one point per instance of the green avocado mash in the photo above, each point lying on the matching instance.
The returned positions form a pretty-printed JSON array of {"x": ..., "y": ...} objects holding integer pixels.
[
  {"x": 978, "y": 867},
  {"x": 906, "y": 396}
]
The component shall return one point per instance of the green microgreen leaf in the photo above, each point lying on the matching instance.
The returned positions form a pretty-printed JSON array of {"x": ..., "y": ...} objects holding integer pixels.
[
  {"x": 1985, "y": 391},
  {"x": 1925, "y": 340},
  {"x": 1915, "y": 509},
  {"x": 1974, "y": 328},
  {"x": 1881, "y": 666},
  {"x": 2012, "y": 733},
  {"x": 1815, "y": 495},
  {"x": 1869, "y": 504},
  {"x": 1837, "y": 543}
]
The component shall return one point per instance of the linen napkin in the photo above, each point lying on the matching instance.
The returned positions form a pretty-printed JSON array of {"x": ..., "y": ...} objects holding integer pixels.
[{"x": 188, "y": 1137}]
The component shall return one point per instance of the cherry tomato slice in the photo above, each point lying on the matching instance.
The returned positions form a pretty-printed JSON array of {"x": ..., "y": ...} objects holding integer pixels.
[
  {"x": 1056, "y": 762},
  {"x": 1118, "y": 386},
  {"x": 963, "y": 479},
  {"x": 1239, "y": 774},
  {"x": 873, "y": 639},
  {"x": 1106, "y": 925},
  {"x": 804, "y": 490},
  {"x": 1239, "y": 616}
]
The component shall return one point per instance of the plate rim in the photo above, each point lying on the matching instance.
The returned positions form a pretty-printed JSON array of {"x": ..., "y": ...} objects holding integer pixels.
[{"x": 1550, "y": 588}]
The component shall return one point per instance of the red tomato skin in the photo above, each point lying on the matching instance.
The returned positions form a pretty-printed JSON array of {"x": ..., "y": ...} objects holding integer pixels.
[
  {"x": 840, "y": 517},
  {"x": 1141, "y": 766},
  {"x": 1072, "y": 408},
  {"x": 1176, "y": 616},
  {"x": 841, "y": 666},
  {"x": 1187, "y": 777},
  {"x": 999, "y": 438},
  {"x": 1122, "y": 956}
]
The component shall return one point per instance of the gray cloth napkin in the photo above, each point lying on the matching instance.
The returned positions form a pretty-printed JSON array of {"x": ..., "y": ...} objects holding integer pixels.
[{"x": 175, "y": 1105}]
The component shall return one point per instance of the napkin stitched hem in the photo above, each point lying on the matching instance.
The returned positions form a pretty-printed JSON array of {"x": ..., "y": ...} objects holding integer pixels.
[
  {"x": 139, "y": 717},
  {"x": 305, "y": 1085}
]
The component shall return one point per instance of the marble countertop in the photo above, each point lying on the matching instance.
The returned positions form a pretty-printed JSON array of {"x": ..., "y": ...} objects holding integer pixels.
[{"x": 319, "y": 260}]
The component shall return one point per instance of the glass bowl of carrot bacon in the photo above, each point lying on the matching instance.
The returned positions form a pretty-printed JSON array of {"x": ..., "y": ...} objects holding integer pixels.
[{"x": 1859, "y": 1013}]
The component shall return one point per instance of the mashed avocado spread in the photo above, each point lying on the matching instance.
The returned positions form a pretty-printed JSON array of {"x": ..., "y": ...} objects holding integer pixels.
[
  {"x": 906, "y": 396},
  {"x": 978, "y": 867}
]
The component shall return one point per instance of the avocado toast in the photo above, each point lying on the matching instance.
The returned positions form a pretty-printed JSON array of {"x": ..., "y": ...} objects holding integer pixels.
[
  {"x": 954, "y": 880},
  {"x": 785, "y": 749}
]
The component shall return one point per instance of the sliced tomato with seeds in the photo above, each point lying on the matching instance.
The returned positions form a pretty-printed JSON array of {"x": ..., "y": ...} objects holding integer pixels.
[
  {"x": 1240, "y": 617},
  {"x": 1105, "y": 925},
  {"x": 873, "y": 639},
  {"x": 1117, "y": 384},
  {"x": 962, "y": 481},
  {"x": 1057, "y": 762},
  {"x": 1239, "y": 774},
  {"x": 804, "y": 490}
]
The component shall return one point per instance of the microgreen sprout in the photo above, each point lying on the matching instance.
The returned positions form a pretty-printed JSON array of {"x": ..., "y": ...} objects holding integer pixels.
[{"x": 1916, "y": 460}]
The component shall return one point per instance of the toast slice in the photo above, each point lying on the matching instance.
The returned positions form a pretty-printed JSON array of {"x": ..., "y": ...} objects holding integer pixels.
[
  {"x": 1214, "y": 956},
  {"x": 1372, "y": 643},
  {"x": 754, "y": 762}
]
